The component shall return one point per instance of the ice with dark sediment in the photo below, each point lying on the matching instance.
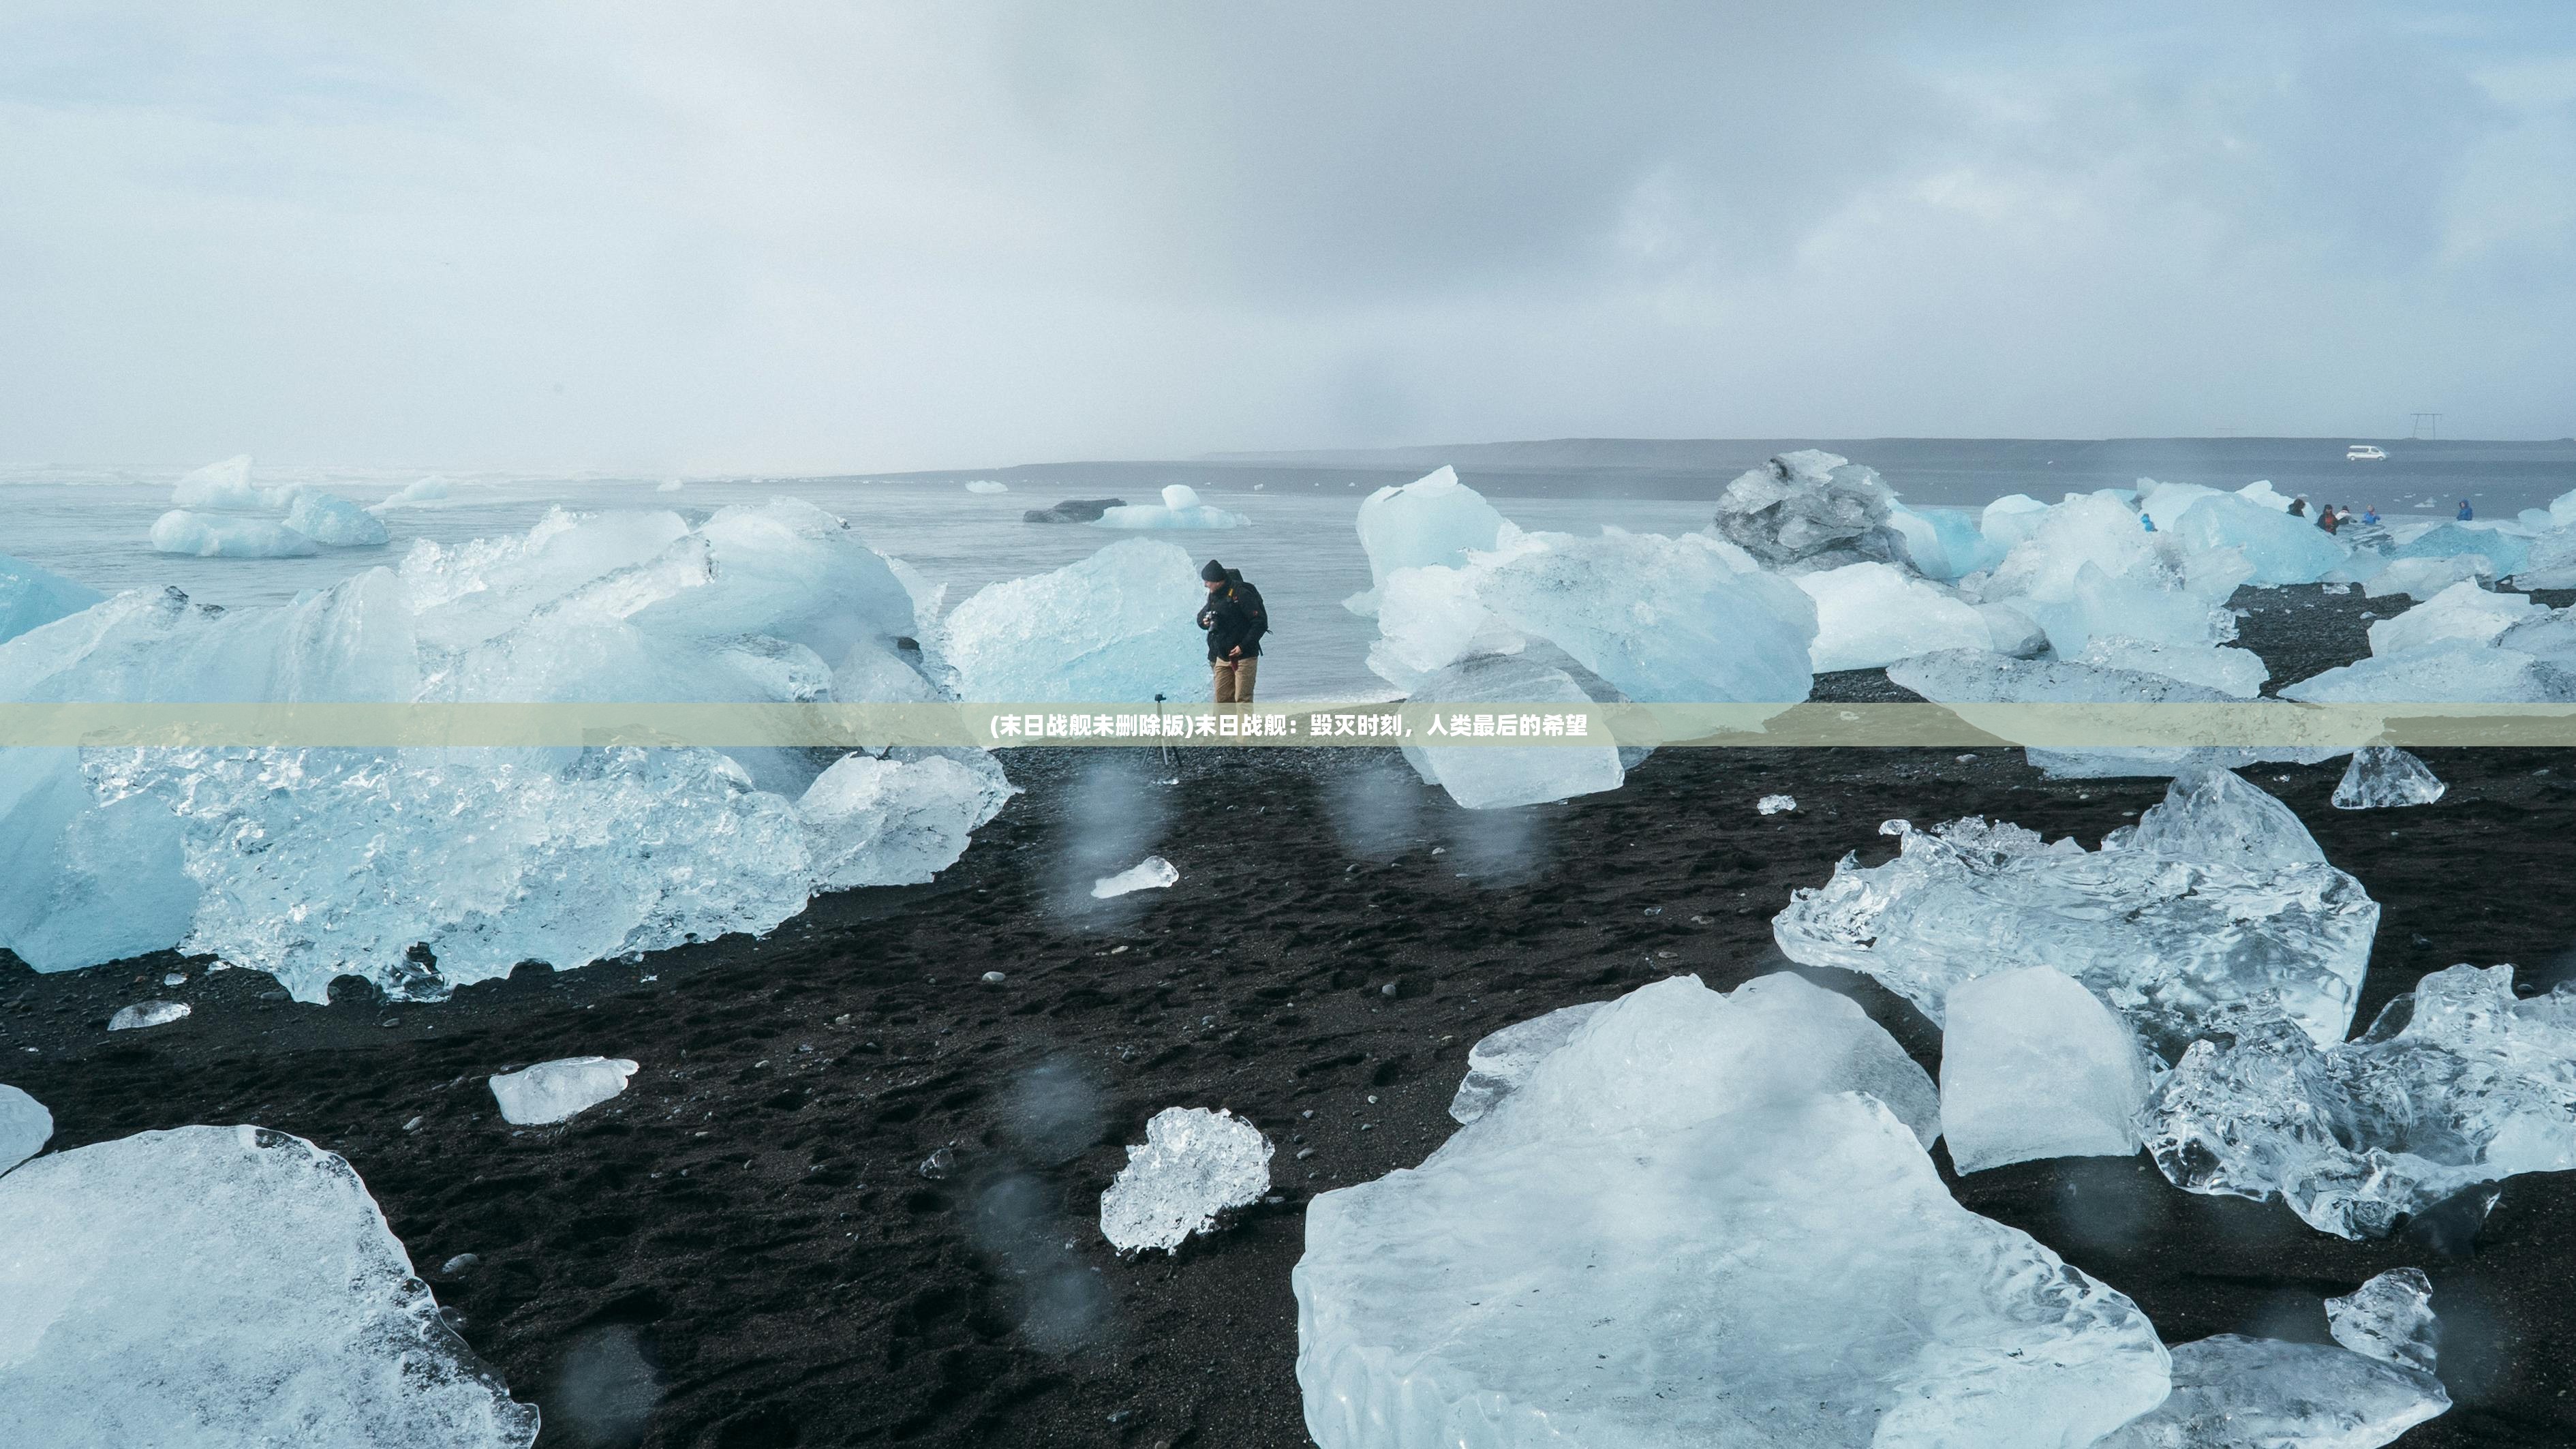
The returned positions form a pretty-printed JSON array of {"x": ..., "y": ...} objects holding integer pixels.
[
  {"x": 1701, "y": 1220},
  {"x": 2217, "y": 900},
  {"x": 2457, "y": 1083},
  {"x": 1193, "y": 1165},
  {"x": 2463, "y": 613},
  {"x": 2384, "y": 776},
  {"x": 224, "y": 1286},
  {"x": 1809, "y": 510},
  {"x": 25, "y": 1126},
  {"x": 335, "y": 521},
  {"x": 2236, "y": 673},
  {"x": 2032, "y": 1066},
  {"x": 1500, "y": 1061},
  {"x": 557, "y": 1091},
  {"x": 1117, "y": 627},
  {"x": 214, "y": 535}
]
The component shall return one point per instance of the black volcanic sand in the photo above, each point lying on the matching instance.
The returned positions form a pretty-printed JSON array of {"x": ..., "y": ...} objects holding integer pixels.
[{"x": 745, "y": 1242}]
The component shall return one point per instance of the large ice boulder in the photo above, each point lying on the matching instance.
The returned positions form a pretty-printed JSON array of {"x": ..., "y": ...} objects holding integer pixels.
[
  {"x": 2505, "y": 553},
  {"x": 2282, "y": 547},
  {"x": 2033, "y": 1065},
  {"x": 1498, "y": 776},
  {"x": 1433, "y": 520},
  {"x": 2236, "y": 673},
  {"x": 2422, "y": 578},
  {"x": 2087, "y": 567},
  {"x": 2461, "y": 612},
  {"x": 1701, "y": 1220},
  {"x": 1873, "y": 614},
  {"x": 1662, "y": 619},
  {"x": 1119, "y": 626},
  {"x": 30, "y": 596},
  {"x": 900, "y": 818},
  {"x": 2452, "y": 671},
  {"x": 1810, "y": 508},
  {"x": 2008, "y": 520},
  {"x": 224, "y": 1286},
  {"x": 224, "y": 485},
  {"x": 25, "y": 1127},
  {"x": 1180, "y": 509},
  {"x": 2217, "y": 900},
  {"x": 210, "y": 535},
  {"x": 336, "y": 521}
]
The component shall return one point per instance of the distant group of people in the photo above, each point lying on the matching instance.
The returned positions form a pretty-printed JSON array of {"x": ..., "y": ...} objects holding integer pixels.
[{"x": 2330, "y": 518}]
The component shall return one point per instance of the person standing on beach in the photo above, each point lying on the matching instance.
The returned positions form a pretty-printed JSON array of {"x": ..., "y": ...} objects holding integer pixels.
[{"x": 1235, "y": 621}]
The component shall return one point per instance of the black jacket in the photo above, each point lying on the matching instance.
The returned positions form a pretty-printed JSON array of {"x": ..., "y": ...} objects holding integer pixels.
[{"x": 1234, "y": 617}]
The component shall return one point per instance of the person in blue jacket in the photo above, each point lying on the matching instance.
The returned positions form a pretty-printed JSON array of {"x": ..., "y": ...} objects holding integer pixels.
[{"x": 2466, "y": 512}]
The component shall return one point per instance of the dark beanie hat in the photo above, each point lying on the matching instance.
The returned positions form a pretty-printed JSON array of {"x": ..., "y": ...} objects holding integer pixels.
[{"x": 1214, "y": 572}]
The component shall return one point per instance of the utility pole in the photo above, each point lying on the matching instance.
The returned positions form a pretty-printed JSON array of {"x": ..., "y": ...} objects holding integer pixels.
[{"x": 2427, "y": 426}]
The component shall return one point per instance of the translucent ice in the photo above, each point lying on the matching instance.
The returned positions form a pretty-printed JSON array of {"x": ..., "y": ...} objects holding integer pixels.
[
  {"x": 2233, "y": 1392},
  {"x": 2283, "y": 548},
  {"x": 1977, "y": 677},
  {"x": 219, "y": 485},
  {"x": 210, "y": 535},
  {"x": 557, "y": 1091},
  {"x": 1775, "y": 804},
  {"x": 432, "y": 490},
  {"x": 1699, "y": 1222},
  {"x": 874, "y": 821},
  {"x": 1192, "y": 1165},
  {"x": 2033, "y": 1065},
  {"x": 2448, "y": 672},
  {"x": 2462, "y": 612},
  {"x": 2425, "y": 577},
  {"x": 987, "y": 485},
  {"x": 1120, "y": 626},
  {"x": 2202, "y": 912},
  {"x": 2237, "y": 673},
  {"x": 2504, "y": 552},
  {"x": 1153, "y": 873},
  {"x": 335, "y": 521},
  {"x": 2381, "y": 776},
  {"x": 1682, "y": 619},
  {"x": 266, "y": 1303},
  {"x": 30, "y": 596},
  {"x": 2457, "y": 1083},
  {"x": 25, "y": 1127},
  {"x": 1945, "y": 543},
  {"x": 1494, "y": 777},
  {"x": 1431, "y": 521},
  {"x": 144, "y": 1014},
  {"x": 1873, "y": 614},
  {"x": 1810, "y": 507},
  {"x": 1498, "y": 1063},
  {"x": 2389, "y": 1318},
  {"x": 1180, "y": 508}
]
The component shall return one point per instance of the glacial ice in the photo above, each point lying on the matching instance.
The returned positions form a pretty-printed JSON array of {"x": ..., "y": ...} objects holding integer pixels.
[
  {"x": 2382, "y": 776},
  {"x": 1873, "y": 614},
  {"x": 1661, "y": 619},
  {"x": 2236, "y": 673},
  {"x": 1192, "y": 1165},
  {"x": 1977, "y": 677},
  {"x": 1810, "y": 508},
  {"x": 2463, "y": 612},
  {"x": 557, "y": 1091},
  {"x": 2505, "y": 553},
  {"x": 224, "y": 485},
  {"x": 2447, "y": 672},
  {"x": 2234, "y": 1392},
  {"x": 2282, "y": 548},
  {"x": 338, "y": 522},
  {"x": 2010, "y": 519},
  {"x": 265, "y": 1303},
  {"x": 1700, "y": 1222},
  {"x": 1180, "y": 508},
  {"x": 2389, "y": 1318},
  {"x": 2205, "y": 910},
  {"x": 1496, "y": 777},
  {"x": 2086, "y": 567},
  {"x": 1775, "y": 804},
  {"x": 1119, "y": 626},
  {"x": 2457, "y": 1083},
  {"x": 143, "y": 1015},
  {"x": 1945, "y": 543},
  {"x": 987, "y": 485},
  {"x": 30, "y": 596},
  {"x": 2422, "y": 578},
  {"x": 2033, "y": 1065},
  {"x": 25, "y": 1127},
  {"x": 1153, "y": 873},
  {"x": 208, "y": 535},
  {"x": 1499, "y": 1062},
  {"x": 2548, "y": 636},
  {"x": 899, "y": 819},
  {"x": 432, "y": 490},
  {"x": 1433, "y": 521}
]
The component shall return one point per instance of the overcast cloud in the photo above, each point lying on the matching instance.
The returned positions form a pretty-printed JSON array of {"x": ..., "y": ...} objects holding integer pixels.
[{"x": 691, "y": 237}]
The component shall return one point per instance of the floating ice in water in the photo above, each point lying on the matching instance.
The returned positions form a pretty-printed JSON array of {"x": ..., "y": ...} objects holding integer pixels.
[
  {"x": 1153, "y": 873},
  {"x": 1120, "y": 625},
  {"x": 144, "y": 1014},
  {"x": 2236, "y": 673},
  {"x": 2033, "y": 1065},
  {"x": 1180, "y": 508},
  {"x": 1192, "y": 1165},
  {"x": 422, "y": 492},
  {"x": 2449, "y": 672},
  {"x": 2461, "y": 612},
  {"x": 1776, "y": 804},
  {"x": 2425, "y": 577},
  {"x": 335, "y": 521},
  {"x": 2381, "y": 776},
  {"x": 2457, "y": 1083},
  {"x": 265, "y": 1302},
  {"x": 987, "y": 485},
  {"x": 1700, "y": 1222},
  {"x": 557, "y": 1091},
  {"x": 1073, "y": 510},
  {"x": 1872, "y": 614},
  {"x": 2389, "y": 1318},
  {"x": 2234, "y": 1392},
  {"x": 30, "y": 596},
  {"x": 898, "y": 821},
  {"x": 1496, "y": 777},
  {"x": 25, "y": 1127},
  {"x": 208, "y": 535},
  {"x": 1810, "y": 507},
  {"x": 669, "y": 485},
  {"x": 219, "y": 485},
  {"x": 1498, "y": 1063},
  {"x": 1433, "y": 521},
  {"x": 2205, "y": 911}
]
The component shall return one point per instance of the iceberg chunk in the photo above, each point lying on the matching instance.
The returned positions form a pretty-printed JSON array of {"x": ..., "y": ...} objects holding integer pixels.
[
  {"x": 267, "y": 1303},
  {"x": 144, "y": 1015},
  {"x": 1661, "y": 619},
  {"x": 219, "y": 485},
  {"x": 2504, "y": 553},
  {"x": 2282, "y": 547},
  {"x": 1495, "y": 777},
  {"x": 873, "y": 821},
  {"x": 334, "y": 521},
  {"x": 2423, "y": 578},
  {"x": 2234, "y": 1392},
  {"x": 1153, "y": 873},
  {"x": 2450, "y": 672},
  {"x": 2236, "y": 673},
  {"x": 987, "y": 485},
  {"x": 2462, "y": 612},
  {"x": 2172, "y": 941},
  {"x": 1192, "y": 1165},
  {"x": 558, "y": 1091},
  {"x": 1433, "y": 521},
  {"x": 432, "y": 491},
  {"x": 1120, "y": 625},
  {"x": 2382, "y": 776},
  {"x": 30, "y": 596},
  {"x": 2033, "y": 1065},
  {"x": 1180, "y": 508},
  {"x": 2458, "y": 1083},
  {"x": 2389, "y": 1318},
  {"x": 1974, "y": 677},
  {"x": 208, "y": 535},
  {"x": 1499, "y": 1062},
  {"x": 25, "y": 1127},
  {"x": 1681, "y": 1229},
  {"x": 1810, "y": 507},
  {"x": 1873, "y": 614},
  {"x": 1945, "y": 543}
]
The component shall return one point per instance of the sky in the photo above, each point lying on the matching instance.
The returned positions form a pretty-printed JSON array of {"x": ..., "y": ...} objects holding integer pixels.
[{"x": 691, "y": 238}]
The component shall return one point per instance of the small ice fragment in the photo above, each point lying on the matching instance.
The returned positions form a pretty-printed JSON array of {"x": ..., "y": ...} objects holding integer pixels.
[
  {"x": 1150, "y": 874},
  {"x": 2389, "y": 1318},
  {"x": 993, "y": 978},
  {"x": 1497, "y": 1064},
  {"x": 25, "y": 1127},
  {"x": 1776, "y": 804},
  {"x": 938, "y": 1165},
  {"x": 2032, "y": 1066},
  {"x": 461, "y": 1263},
  {"x": 147, "y": 1013},
  {"x": 1193, "y": 1164},
  {"x": 557, "y": 1090},
  {"x": 175, "y": 978},
  {"x": 2382, "y": 776},
  {"x": 2234, "y": 1392}
]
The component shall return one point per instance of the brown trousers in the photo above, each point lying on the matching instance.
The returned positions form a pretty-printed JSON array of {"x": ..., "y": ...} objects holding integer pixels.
[{"x": 1234, "y": 679}]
